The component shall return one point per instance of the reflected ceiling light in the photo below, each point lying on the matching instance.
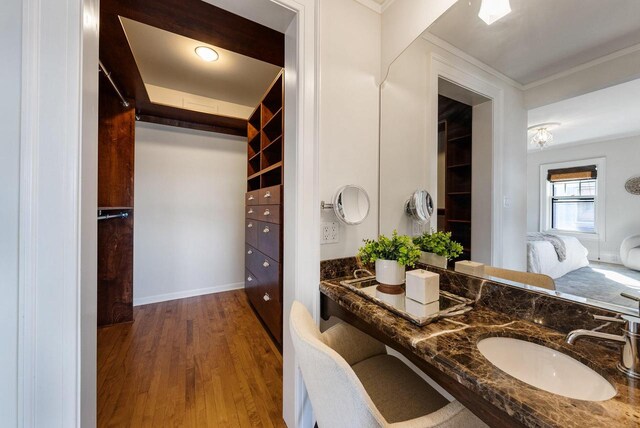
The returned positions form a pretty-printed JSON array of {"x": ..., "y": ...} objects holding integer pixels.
[
  {"x": 207, "y": 54},
  {"x": 493, "y": 10},
  {"x": 542, "y": 137}
]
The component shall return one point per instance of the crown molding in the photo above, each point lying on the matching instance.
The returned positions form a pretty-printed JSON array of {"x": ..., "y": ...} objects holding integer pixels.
[
  {"x": 471, "y": 60},
  {"x": 375, "y": 6},
  {"x": 585, "y": 66}
]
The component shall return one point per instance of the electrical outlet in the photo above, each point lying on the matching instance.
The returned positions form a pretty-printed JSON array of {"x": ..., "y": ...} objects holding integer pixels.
[{"x": 329, "y": 233}]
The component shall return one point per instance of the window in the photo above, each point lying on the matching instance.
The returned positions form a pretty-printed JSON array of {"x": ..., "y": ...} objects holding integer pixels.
[
  {"x": 573, "y": 206},
  {"x": 571, "y": 197}
]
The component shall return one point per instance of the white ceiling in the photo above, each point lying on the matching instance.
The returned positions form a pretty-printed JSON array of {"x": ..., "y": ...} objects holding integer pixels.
[
  {"x": 265, "y": 12},
  {"x": 168, "y": 60},
  {"x": 540, "y": 38},
  {"x": 606, "y": 114}
]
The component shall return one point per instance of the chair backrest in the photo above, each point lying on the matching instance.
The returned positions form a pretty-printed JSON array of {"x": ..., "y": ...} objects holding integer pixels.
[
  {"x": 627, "y": 245},
  {"x": 530, "y": 278},
  {"x": 337, "y": 395}
]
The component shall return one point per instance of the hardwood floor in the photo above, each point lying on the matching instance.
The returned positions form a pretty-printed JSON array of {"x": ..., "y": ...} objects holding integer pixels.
[{"x": 197, "y": 362}]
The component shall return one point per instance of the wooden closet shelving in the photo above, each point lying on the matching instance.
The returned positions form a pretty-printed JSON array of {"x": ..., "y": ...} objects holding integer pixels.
[
  {"x": 455, "y": 119},
  {"x": 264, "y": 209},
  {"x": 265, "y": 128}
]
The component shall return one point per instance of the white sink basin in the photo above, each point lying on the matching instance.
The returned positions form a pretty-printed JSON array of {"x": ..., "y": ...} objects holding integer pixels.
[{"x": 546, "y": 369}]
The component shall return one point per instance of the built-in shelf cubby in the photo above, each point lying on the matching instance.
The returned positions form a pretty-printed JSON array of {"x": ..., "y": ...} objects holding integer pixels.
[
  {"x": 455, "y": 127},
  {"x": 265, "y": 149}
]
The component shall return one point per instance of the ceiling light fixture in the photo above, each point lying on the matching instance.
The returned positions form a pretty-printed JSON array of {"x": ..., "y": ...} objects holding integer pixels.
[
  {"x": 207, "y": 54},
  {"x": 542, "y": 137},
  {"x": 493, "y": 10}
]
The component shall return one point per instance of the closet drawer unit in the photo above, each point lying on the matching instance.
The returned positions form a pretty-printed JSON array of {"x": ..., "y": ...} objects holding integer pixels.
[
  {"x": 271, "y": 313},
  {"x": 251, "y": 232},
  {"x": 269, "y": 213},
  {"x": 254, "y": 261},
  {"x": 251, "y": 255},
  {"x": 268, "y": 273},
  {"x": 253, "y": 212},
  {"x": 271, "y": 195},
  {"x": 269, "y": 239},
  {"x": 253, "y": 197},
  {"x": 252, "y": 287}
]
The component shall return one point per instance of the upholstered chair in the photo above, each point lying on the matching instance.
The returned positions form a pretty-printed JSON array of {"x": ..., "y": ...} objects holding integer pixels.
[
  {"x": 630, "y": 252},
  {"x": 353, "y": 382},
  {"x": 530, "y": 278}
]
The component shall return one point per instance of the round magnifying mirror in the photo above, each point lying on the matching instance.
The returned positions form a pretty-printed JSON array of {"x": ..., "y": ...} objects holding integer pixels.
[
  {"x": 420, "y": 206},
  {"x": 351, "y": 204}
]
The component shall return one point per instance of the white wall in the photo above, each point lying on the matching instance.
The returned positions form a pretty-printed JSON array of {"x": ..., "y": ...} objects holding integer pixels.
[
  {"x": 621, "y": 208},
  {"x": 409, "y": 148},
  {"x": 189, "y": 212},
  {"x": 481, "y": 159},
  {"x": 10, "y": 44},
  {"x": 408, "y": 153},
  {"x": 349, "y": 69},
  {"x": 403, "y": 21}
]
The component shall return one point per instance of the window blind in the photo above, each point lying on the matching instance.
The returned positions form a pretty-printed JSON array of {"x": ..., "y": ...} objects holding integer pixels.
[{"x": 587, "y": 172}]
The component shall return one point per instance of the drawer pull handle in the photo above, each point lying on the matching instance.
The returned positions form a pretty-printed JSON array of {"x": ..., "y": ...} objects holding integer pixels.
[
  {"x": 249, "y": 279},
  {"x": 266, "y": 264},
  {"x": 250, "y": 252},
  {"x": 251, "y": 198},
  {"x": 267, "y": 195},
  {"x": 267, "y": 212},
  {"x": 266, "y": 297},
  {"x": 250, "y": 225},
  {"x": 266, "y": 229},
  {"x": 250, "y": 211}
]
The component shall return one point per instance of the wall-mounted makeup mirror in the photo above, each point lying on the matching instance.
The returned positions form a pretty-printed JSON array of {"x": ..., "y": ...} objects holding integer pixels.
[
  {"x": 350, "y": 204},
  {"x": 419, "y": 206}
]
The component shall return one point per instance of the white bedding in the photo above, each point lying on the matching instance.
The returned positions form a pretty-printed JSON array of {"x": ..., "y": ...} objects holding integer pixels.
[{"x": 542, "y": 257}]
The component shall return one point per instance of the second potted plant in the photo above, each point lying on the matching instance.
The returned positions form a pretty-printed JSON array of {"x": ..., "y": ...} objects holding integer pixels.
[
  {"x": 390, "y": 255},
  {"x": 437, "y": 248}
]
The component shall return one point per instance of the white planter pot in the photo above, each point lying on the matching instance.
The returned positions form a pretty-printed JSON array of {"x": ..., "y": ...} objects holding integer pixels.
[
  {"x": 433, "y": 260},
  {"x": 389, "y": 272}
]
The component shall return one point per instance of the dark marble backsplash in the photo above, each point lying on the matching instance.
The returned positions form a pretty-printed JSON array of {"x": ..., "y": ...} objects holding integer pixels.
[{"x": 554, "y": 312}]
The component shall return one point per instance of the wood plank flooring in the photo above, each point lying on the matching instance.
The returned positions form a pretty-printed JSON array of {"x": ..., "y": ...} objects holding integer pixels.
[{"x": 198, "y": 362}]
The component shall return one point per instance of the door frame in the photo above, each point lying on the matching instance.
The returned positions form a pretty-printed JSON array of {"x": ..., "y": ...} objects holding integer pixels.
[
  {"x": 442, "y": 68},
  {"x": 58, "y": 200}
]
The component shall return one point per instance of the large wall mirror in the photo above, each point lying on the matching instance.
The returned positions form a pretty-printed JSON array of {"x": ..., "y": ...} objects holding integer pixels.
[{"x": 526, "y": 133}]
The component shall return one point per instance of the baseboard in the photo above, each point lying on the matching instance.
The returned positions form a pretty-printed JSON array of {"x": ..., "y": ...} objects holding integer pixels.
[
  {"x": 613, "y": 258},
  {"x": 187, "y": 293}
]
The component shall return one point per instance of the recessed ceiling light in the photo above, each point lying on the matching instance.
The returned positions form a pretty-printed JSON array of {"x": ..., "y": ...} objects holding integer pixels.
[{"x": 207, "y": 54}]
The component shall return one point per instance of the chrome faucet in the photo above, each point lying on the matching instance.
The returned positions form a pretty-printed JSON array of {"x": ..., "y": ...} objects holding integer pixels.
[
  {"x": 357, "y": 271},
  {"x": 629, "y": 363}
]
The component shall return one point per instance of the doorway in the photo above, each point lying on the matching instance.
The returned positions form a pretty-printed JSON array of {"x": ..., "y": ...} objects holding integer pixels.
[
  {"x": 178, "y": 148},
  {"x": 66, "y": 191},
  {"x": 465, "y": 159}
]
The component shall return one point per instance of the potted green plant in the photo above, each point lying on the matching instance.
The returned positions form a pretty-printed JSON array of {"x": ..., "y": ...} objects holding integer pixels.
[
  {"x": 390, "y": 256},
  {"x": 437, "y": 248}
]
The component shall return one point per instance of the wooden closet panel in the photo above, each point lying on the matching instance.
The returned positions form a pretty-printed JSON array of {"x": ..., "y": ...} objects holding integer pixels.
[
  {"x": 115, "y": 270},
  {"x": 116, "y": 136}
]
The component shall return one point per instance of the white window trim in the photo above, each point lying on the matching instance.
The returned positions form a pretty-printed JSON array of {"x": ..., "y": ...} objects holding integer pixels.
[{"x": 545, "y": 201}]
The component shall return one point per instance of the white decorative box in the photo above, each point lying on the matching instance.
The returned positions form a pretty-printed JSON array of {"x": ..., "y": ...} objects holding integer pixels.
[
  {"x": 420, "y": 310},
  {"x": 423, "y": 286},
  {"x": 470, "y": 268}
]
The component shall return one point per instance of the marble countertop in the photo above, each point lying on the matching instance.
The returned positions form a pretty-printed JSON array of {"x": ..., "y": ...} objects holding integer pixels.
[{"x": 450, "y": 346}]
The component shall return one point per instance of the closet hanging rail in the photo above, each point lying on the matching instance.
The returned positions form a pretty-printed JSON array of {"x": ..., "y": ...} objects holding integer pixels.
[
  {"x": 124, "y": 102},
  {"x": 110, "y": 216}
]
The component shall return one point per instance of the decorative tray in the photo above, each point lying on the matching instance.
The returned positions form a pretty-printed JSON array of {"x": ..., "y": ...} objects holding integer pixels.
[{"x": 449, "y": 304}]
